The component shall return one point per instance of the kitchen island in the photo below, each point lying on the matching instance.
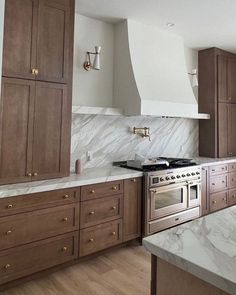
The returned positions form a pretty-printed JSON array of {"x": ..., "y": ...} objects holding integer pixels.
[{"x": 198, "y": 257}]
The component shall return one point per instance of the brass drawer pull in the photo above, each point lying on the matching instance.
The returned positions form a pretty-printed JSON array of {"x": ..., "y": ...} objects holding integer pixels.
[
  {"x": 9, "y": 232},
  {"x": 213, "y": 170},
  {"x": 64, "y": 249},
  {"x": 223, "y": 199},
  {"x": 113, "y": 208},
  {"x": 92, "y": 191},
  {"x": 10, "y": 206},
  {"x": 223, "y": 181},
  {"x": 233, "y": 196},
  {"x": 29, "y": 174},
  {"x": 134, "y": 180},
  {"x": 35, "y": 174},
  {"x": 214, "y": 202},
  {"x": 92, "y": 213},
  {"x": 114, "y": 188},
  {"x": 91, "y": 240},
  {"x": 7, "y": 266},
  {"x": 36, "y": 72},
  {"x": 66, "y": 197},
  {"x": 65, "y": 219},
  {"x": 213, "y": 183},
  {"x": 113, "y": 233}
]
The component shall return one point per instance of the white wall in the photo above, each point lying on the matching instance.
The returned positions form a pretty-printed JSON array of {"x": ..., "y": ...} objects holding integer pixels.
[
  {"x": 93, "y": 88},
  {"x": 2, "y": 9}
]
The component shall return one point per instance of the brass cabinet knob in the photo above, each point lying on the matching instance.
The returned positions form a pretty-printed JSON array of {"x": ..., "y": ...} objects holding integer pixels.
[
  {"x": 92, "y": 213},
  {"x": 64, "y": 249},
  {"x": 29, "y": 174},
  {"x": 92, "y": 191},
  {"x": 91, "y": 240},
  {"x": 113, "y": 208},
  {"x": 33, "y": 72},
  {"x": 9, "y": 232},
  {"x": 214, "y": 202},
  {"x": 35, "y": 174},
  {"x": 134, "y": 180},
  {"x": 10, "y": 206},
  {"x": 66, "y": 197},
  {"x": 113, "y": 233},
  {"x": 233, "y": 196},
  {"x": 65, "y": 219},
  {"x": 7, "y": 266},
  {"x": 36, "y": 72},
  {"x": 114, "y": 188}
]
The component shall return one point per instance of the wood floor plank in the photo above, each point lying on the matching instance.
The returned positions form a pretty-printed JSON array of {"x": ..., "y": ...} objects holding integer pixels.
[{"x": 124, "y": 271}]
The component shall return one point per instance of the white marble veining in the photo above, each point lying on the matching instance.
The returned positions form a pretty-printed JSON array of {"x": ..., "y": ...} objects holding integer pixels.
[
  {"x": 205, "y": 247},
  {"x": 213, "y": 161},
  {"x": 88, "y": 176},
  {"x": 110, "y": 139}
]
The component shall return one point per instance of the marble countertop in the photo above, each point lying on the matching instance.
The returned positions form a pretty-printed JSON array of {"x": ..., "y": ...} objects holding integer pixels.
[
  {"x": 205, "y": 247},
  {"x": 88, "y": 176},
  {"x": 213, "y": 161}
]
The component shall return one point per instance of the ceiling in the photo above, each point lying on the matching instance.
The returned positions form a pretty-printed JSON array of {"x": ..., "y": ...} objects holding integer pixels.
[{"x": 202, "y": 23}]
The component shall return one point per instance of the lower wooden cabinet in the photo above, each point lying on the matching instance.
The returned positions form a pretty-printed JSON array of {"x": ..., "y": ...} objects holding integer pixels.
[
  {"x": 218, "y": 201},
  {"x": 132, "y": 209},
  {"x": 22, "y": 261},
  {"x": 94, "y": 239}
]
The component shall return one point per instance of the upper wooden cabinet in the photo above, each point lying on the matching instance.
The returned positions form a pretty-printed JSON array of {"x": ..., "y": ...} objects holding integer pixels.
[
  {"x": 37, "y": 39},
  {"x": 217, "y": 97},
  {"x": 34, "y": 131}
]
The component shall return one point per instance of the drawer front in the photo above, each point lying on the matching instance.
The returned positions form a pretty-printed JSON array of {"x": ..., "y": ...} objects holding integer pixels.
[
  {"x": 218, "y": 169},
  {"x": 101, "y": 210},
  {"x": 169, "y": 221},
  {"x": 25, "y": 260},
  {"x": 94, "y": 191},
  {"x": 232, "y": 179},
  {"x": 218, "y": 183},
  {"x": 232, "y": 167},
  {"x": 232, "y": 197},
  {"x": 13, "y": 205},
  {"x": 28, "y": 227},
  {"x": 218, "y": 201},
  {"x": 100, "y": 237}
]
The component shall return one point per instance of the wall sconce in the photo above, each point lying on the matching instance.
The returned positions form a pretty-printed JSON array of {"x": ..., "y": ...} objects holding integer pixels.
[
  {"x": 194, "y": 78},
  {"x": 96, "y": 63},
  {"x": 144, "y": 132}
]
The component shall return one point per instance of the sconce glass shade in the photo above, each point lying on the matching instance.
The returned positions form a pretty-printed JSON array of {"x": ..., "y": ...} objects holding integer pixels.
[
  {"x": 194, "y": 78},
  {"x": 96, "y": 62}
]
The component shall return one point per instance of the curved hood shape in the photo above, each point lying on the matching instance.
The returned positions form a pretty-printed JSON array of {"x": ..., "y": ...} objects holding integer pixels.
[{"x": 154, "y": 71}]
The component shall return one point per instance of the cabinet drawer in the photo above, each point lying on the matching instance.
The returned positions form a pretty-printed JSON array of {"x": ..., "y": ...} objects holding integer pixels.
[
  {"x": 232, "y": 179},
  {"x": 169, "y": 221},
  {"x": 232, "y": 167},
  {"x": 218, "y": 169},
  {"x": 218, "y": 183},
  {"x": 28, "y": 227},
  {"x": 218, "y": 201},
  {"x": 232, "y": 198},
  {"x": 28, "y": 259},
  {"x": 24, "y": 203},
  {"x": 94, "y": 191},
  {"x": 101, "y": 210},
  {"x": 100, "y": 237}
]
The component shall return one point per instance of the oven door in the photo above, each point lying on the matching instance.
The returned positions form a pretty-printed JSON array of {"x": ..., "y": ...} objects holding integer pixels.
[
  {"x": 194, "y": 194},
  {"x": 167, "y": 200}
]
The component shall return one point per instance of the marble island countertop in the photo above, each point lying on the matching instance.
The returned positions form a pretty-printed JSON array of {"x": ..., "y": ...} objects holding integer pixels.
[
  {"x": 205, "y": 247},
  {"x": 203, "y": 161},
  {"x": 88, "y": 176}
]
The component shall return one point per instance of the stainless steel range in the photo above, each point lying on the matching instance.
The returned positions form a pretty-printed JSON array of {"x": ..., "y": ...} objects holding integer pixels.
[{"x": 172, "y": 192}]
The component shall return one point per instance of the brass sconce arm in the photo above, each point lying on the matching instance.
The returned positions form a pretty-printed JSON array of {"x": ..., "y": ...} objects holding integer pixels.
[{"x": 144, "y": 132}]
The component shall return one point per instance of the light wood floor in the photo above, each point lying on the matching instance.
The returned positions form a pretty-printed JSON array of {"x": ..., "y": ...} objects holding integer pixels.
[{"x": 124, "y": 271}]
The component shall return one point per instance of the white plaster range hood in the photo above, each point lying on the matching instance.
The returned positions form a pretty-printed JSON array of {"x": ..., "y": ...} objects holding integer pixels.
[{"x": 150, "y": 75}]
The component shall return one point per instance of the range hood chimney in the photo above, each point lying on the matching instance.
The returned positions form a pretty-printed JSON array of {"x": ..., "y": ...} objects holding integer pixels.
[{"x": 151, "y": 77}]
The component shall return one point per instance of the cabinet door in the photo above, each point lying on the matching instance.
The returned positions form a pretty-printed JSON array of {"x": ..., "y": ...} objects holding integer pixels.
[
  {"x": 205, "y": 207},
  {"x": 232, "y": 130},
  {"x": 223, "y": 130},
  {"x": 51, "y": 131},
  {"x": 132, "y": 209},
  {"x": 231, "y": 78},
  {"x": 20, "y": 35},
  {"x": 53, "y": 43},
  {"x": 16, "y": 128},
  {"x": 222, "y": 79}
]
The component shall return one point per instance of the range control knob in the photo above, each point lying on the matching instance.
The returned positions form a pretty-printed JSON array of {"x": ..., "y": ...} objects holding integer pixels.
[
  {"x": 183, "y": 175},
  {"x": 173, "y": 177},
  {"x": 167, "y": 178},
  {"x": 162, "y": 179},
  {"x": 178, "y": 176},
  {"x": 193, "y": 173},
  {"x": 198, "y": 173},
  {"x": 188, "y": 174}
]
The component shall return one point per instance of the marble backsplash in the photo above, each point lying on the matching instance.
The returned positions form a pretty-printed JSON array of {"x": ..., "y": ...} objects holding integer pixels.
[{"x": 110, "y": 139}]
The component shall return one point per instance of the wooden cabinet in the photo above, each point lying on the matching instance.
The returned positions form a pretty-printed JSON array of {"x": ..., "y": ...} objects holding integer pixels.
[
  {"x": 34, "y": 127},
  {"x": 37, "y": 36},
  {"x": 132, "y": 208},
  {"x": 217, "y": 96},
  {"x": 218, "y": 201},
  {"x": 205, "y": 206}
]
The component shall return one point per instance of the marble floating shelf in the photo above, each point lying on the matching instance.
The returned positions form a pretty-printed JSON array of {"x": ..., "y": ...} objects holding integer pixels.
[{"x": 97, "y": 111}]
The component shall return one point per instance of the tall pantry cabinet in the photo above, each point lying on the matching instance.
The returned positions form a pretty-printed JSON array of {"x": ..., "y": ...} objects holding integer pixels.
[{"x": 35, "y": 116}]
